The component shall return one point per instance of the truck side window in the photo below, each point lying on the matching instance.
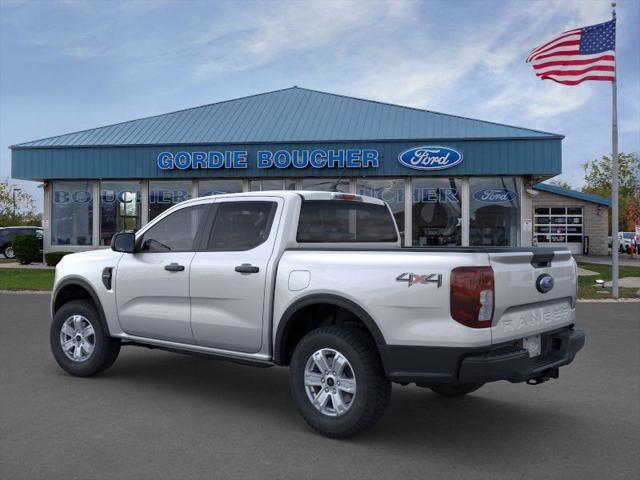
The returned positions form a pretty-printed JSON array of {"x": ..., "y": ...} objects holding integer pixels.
[
  {"x": 241, "y": 226},
  {"x": 329, "y": 221},
  {"x": 176, "y": 232}
]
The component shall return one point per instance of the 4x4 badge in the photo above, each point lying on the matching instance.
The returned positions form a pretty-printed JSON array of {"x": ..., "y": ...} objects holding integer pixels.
[{"x": 415, "y": 278}]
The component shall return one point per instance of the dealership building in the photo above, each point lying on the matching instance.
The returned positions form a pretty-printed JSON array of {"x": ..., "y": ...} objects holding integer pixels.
[{"x": 449, "y": 180}]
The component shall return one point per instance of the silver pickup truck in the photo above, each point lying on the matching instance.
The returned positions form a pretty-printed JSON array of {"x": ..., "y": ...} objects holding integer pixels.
[{"x": 319, "y": 282}]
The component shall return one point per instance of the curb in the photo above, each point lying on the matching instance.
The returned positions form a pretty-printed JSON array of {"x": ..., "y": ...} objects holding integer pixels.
[
  {"x": 609, "y": 300},
  {"x": 25, "y": 292}
]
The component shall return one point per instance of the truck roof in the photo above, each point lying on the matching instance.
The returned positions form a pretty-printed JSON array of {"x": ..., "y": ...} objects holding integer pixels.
[{"x": 305, "y": 194}]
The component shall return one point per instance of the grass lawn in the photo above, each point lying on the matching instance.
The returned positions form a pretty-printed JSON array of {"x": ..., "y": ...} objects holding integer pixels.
[
  {"x": 587, "y": 288},
  {"x": 26, "y": 279}
]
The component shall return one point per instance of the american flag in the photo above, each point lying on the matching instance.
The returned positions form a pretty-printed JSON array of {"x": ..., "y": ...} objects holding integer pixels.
[{"x": 587, "y": 53}]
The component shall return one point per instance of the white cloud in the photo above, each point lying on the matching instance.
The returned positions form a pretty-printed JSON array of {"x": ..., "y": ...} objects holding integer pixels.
[{"x": 286, "y": 29}]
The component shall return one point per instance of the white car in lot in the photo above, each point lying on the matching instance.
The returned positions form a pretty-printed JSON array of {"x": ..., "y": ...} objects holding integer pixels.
[
  {"x": 318, "y": 281},
  {"x": 626, "y": 238}
]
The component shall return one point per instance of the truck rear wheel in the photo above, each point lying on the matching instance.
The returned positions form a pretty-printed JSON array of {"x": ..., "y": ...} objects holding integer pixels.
[
  {"x": 453, "y": 390},
  {"x": 80, "y": 343},
  {"x": 338, "y": 382}
]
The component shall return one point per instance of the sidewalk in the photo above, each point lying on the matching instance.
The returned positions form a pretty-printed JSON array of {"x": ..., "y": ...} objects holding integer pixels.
[
  {"x": 624, "y": 260},
  {"x": 30, "y": 266}
]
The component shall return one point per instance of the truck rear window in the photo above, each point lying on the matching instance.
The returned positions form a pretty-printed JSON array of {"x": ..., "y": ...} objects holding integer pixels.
[{"x": 329, "y": 221}]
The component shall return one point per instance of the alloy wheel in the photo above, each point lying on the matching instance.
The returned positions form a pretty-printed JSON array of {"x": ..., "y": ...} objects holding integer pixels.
[
  {"x": 77, "y": 338},
  {"x": 330, "y": 382}
]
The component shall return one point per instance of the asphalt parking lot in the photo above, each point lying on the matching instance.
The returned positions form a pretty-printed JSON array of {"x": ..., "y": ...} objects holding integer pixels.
[{"x": 161, "y": 415}]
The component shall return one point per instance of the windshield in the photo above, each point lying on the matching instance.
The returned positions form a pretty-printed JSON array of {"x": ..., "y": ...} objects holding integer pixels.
[{"x": 628, "y": 234}]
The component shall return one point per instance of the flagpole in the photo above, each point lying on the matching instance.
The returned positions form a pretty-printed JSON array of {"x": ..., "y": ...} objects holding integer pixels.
[{"x": 614, "y": 176}]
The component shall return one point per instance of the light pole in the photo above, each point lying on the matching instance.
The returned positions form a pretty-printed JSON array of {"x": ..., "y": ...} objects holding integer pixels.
[{"x": 14, "y": 203}]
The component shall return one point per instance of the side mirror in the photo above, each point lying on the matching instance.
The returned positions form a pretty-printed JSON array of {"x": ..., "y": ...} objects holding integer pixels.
[{"x": 124, "y": 242}]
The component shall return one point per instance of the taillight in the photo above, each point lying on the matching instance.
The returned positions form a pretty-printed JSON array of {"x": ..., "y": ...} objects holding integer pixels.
[{"x": 472, "y": 296}]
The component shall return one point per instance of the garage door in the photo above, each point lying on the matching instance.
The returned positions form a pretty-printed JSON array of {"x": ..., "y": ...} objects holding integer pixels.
[{"x": 559, "y": 226}]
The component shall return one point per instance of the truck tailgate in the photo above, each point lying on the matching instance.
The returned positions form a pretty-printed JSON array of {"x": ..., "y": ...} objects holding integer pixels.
[{"x": 521, "y": 309}]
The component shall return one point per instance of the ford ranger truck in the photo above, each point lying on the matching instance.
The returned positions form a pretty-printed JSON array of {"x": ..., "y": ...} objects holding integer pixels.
[{"x": 318, "y": 282}]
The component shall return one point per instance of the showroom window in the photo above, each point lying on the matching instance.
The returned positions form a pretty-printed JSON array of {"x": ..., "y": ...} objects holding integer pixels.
[
  {"x": 272, "y": 184},
  {"x": 436, "y": 212},
  {"x": 119, "y": 208},
  {"x": 389, "y": 190},
  {"x": 165, "y": 194},
  {"x": 325, "y": 184},
  {"x": 217, "y": 187},
  {"x": 72, "y": 213},
  {"x": 494, "y": 212}
]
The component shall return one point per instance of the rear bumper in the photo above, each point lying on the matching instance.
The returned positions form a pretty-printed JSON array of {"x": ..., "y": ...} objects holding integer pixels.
[{"x": 509, "y": 361}]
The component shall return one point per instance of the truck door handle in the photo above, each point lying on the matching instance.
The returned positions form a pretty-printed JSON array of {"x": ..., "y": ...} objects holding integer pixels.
[
  {"x": 174, "y": 267},
  {"x": 247, "y": 268}
]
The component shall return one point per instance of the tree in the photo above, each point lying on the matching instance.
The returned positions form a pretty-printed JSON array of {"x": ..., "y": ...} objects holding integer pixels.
[
  {"x": 597, "y": 179},
  {"x": 558, "y": 182},
  {"x": 25, "y": 207}
]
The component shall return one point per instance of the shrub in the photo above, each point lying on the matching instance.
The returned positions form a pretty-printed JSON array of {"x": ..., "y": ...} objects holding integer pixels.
[
  {"x": 27, "y": 248},
  {"x": 53, "y": 258}
]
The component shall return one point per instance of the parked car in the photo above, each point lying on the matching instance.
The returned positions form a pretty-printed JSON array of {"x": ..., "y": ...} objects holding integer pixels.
[
  {"x": 625, "y": 240},
  {"x": 318, "y": 281},
  {"x": 7, "y": 234}
]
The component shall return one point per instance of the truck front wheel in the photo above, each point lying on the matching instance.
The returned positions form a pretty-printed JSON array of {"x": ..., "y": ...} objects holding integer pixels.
[
  {"x": 338, "y": 382},
  {"x": 80, "y": 343}
]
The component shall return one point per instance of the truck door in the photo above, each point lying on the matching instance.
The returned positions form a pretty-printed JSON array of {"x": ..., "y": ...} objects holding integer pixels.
[
  {"x": 229, "y": 276},
  {"x": 152, "y": 285}
]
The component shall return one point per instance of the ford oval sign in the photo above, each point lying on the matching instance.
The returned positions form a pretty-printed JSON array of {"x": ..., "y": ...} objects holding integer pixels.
[
  {"x": 544, "y": 283},
  {"x": 430, "y": 158},
  {"x": 495, "y": 195}
]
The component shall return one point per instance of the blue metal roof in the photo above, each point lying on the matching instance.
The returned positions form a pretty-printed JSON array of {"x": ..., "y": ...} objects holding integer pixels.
[
  {"x": 565, "y": 192},
  {"x": 289, "y": 116}
]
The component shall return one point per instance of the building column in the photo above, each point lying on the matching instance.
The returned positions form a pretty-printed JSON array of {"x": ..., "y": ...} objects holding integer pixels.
[
  {"x": 144, "y": 203},
  {"x": 194, "y": 188},
  {"x": 95, "y": 189},
  {"x": 465, "y": 210},
  {"x": 526, "y": 214},
  {"x": 46, "y": 216},
  {"x": 408, "y": 212}
]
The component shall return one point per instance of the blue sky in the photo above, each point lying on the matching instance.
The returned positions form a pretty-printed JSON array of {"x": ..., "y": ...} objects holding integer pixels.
[{"x": 72, "y": 65}]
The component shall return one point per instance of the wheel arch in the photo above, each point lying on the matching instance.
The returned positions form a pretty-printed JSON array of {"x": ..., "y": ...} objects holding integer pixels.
[
  {"x": 290, "y": 318},
  {"x": 76, "y": 288}
]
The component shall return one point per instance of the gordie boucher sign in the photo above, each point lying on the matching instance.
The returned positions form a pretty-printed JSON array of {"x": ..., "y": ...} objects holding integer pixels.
[
  {"x": 418, "y": 158},
  {"x": 235, "y": 159}
]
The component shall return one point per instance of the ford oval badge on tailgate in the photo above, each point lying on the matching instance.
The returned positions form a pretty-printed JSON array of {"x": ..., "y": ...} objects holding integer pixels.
[
  {"x": 430, "y": 158},
  {"x": 544, "y": 283}
]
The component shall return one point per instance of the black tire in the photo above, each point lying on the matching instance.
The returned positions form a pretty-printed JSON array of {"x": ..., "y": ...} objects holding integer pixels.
[
  {"x": 373, "y": 390},
  {"x": 105, "y": 351},
  {"x": 453, "y": 390}
]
